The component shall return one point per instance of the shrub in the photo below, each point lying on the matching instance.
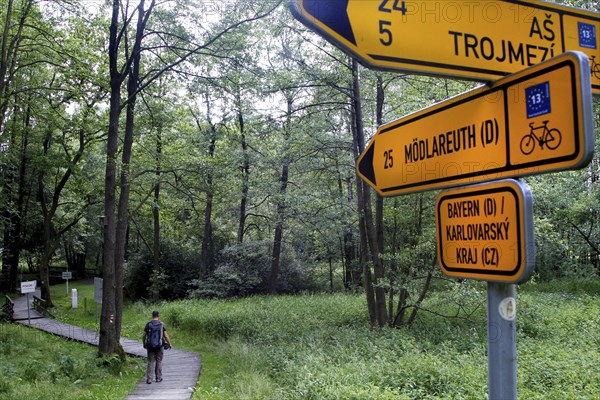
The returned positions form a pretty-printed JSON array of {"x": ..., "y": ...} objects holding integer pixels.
[
  {"x": 4, "y": 316},
  {"x": 178, "y": 266},
  {"x": 245, "y": 270}
]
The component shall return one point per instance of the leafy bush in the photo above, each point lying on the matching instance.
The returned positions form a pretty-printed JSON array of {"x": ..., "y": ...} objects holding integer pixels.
[
  {"x": 178, "y": 266},
  {"x": 4, "y": 316},
  {"x": 245, "y": 270}
]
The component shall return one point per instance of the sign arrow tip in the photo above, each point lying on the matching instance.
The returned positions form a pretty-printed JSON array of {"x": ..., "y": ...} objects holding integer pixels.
[
  {"x": 332, "y": 13},
  {"x": 365, "y": 165}
]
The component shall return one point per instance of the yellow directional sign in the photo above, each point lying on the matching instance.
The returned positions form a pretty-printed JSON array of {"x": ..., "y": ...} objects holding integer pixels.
[
  {"x": 535, "y": 121},
  {"x": 486, "y": 232},
  {"x": 482, "y": 40}
]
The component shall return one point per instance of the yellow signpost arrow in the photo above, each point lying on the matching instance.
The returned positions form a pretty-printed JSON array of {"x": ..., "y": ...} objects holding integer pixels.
[
  {"x": 486, "y": 232},
  {"x": 535, "y": 121},
  {"x": 482, "y": 40}
]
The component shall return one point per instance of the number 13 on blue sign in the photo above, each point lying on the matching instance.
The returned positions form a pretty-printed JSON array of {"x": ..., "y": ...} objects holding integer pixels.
[{"x": 538, "y": 100}]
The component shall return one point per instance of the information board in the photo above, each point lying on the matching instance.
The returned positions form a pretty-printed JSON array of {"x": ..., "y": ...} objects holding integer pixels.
[
  {"x": 98, "y": 282},
  {"x": 28, "y": 287}
]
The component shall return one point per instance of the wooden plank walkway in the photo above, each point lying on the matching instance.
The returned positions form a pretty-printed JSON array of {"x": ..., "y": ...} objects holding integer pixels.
[
  {"x": 20, "y": 308},
  {"x": 181, "y": 369}
]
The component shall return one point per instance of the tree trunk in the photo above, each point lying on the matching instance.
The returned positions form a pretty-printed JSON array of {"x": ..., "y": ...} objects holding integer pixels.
[
  {"x": 276, "y": 255},
  {"x": 393, "y": 267},
  {"x": 281, "y": 206},
  {"x": 381, "y": 305},
  {"x": 156, "y": 221},
  {"x": 379, "y": 200},
  {"x": 365, "y": 205},
  {"x": 9, "y": 51},
  {"x": 401, "y": 307},
  {"x": 14, "y": 211},
  {"x": 207, "y": 255},
  {"x": 107, "y": 342},
  {"x": 424, "y": 291},
  {"x": 75, "y": 260},
  {"x": 49, "y": 206},
  {"x": 44, "y": 271},
  {"x": 4, "y": 55},
  {"x": 363, "y": 256},
  {"x": 379, "y": 227},
  {"x": 51, "y": 243},
  {"x": 245, "y": 179},
  {"x": 123, "y": 208},
  {"x": 351, "y": 275},
  {"x": 350, "y": 278},
  {"x": 358, "y": 145}
]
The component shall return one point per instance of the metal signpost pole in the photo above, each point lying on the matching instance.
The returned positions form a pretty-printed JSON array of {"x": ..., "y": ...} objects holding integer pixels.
[
  {"x": 502, "y": 343},
  {"x": 28, "y": 314}
]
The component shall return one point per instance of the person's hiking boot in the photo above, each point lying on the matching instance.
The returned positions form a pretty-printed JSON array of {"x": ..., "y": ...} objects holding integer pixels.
[
  {"x": 159, "y": 380},
  {"x": 148, "y": 381}
]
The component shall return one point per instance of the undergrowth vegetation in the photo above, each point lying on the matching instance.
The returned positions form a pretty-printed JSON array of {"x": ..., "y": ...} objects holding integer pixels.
[
  {"x": 37, "y": 365},
  {"x": 321, "y": 346}
]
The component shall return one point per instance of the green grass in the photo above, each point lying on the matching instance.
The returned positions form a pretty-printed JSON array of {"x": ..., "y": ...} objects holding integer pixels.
[
  {"x": 321, "y": 347},
  {"x": 36, "y": 365}
]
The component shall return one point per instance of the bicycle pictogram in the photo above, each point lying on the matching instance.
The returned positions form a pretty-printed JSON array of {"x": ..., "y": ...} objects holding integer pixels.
[
  {"x": 595, "y": 67},
  {"x": 551, "y": 138}
]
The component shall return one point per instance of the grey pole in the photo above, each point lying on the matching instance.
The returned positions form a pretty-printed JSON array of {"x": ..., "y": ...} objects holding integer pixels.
[
  {"x": 28, "y": 313},
  {"x": 502, "y": 343}
]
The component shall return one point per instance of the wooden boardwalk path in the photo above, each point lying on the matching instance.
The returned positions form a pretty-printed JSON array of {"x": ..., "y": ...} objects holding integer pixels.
[{"x": 181, "y": 369}]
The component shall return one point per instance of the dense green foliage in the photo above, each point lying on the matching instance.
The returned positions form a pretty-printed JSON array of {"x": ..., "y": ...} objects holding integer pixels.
[
  {"x": 36, "y": 365},
  {"x": 322, "y": 346}
]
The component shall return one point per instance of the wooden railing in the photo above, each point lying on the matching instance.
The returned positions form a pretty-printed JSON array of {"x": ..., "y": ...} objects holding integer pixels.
[
  {"x": 39, "y": 305},
  {"x": 8, "y": 307}
]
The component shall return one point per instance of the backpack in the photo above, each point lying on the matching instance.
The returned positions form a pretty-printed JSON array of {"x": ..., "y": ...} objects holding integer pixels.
[{"x": 154, "y": 332}]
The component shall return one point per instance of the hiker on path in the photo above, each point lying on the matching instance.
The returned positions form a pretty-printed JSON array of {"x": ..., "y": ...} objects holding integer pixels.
[{"x": 155, "y": 339}]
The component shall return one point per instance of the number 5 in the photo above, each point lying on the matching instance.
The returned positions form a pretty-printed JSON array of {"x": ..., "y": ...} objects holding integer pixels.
[{"x": 387, "y": 39}]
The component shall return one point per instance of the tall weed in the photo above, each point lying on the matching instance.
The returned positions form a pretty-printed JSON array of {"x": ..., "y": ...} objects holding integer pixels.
[
  {"x": 321, "y": 346},
  {"x": 37, "y": 365}
]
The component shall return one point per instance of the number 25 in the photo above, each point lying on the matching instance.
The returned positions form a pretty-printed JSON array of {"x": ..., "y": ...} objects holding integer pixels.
[{"x": 389, "y": 159}]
